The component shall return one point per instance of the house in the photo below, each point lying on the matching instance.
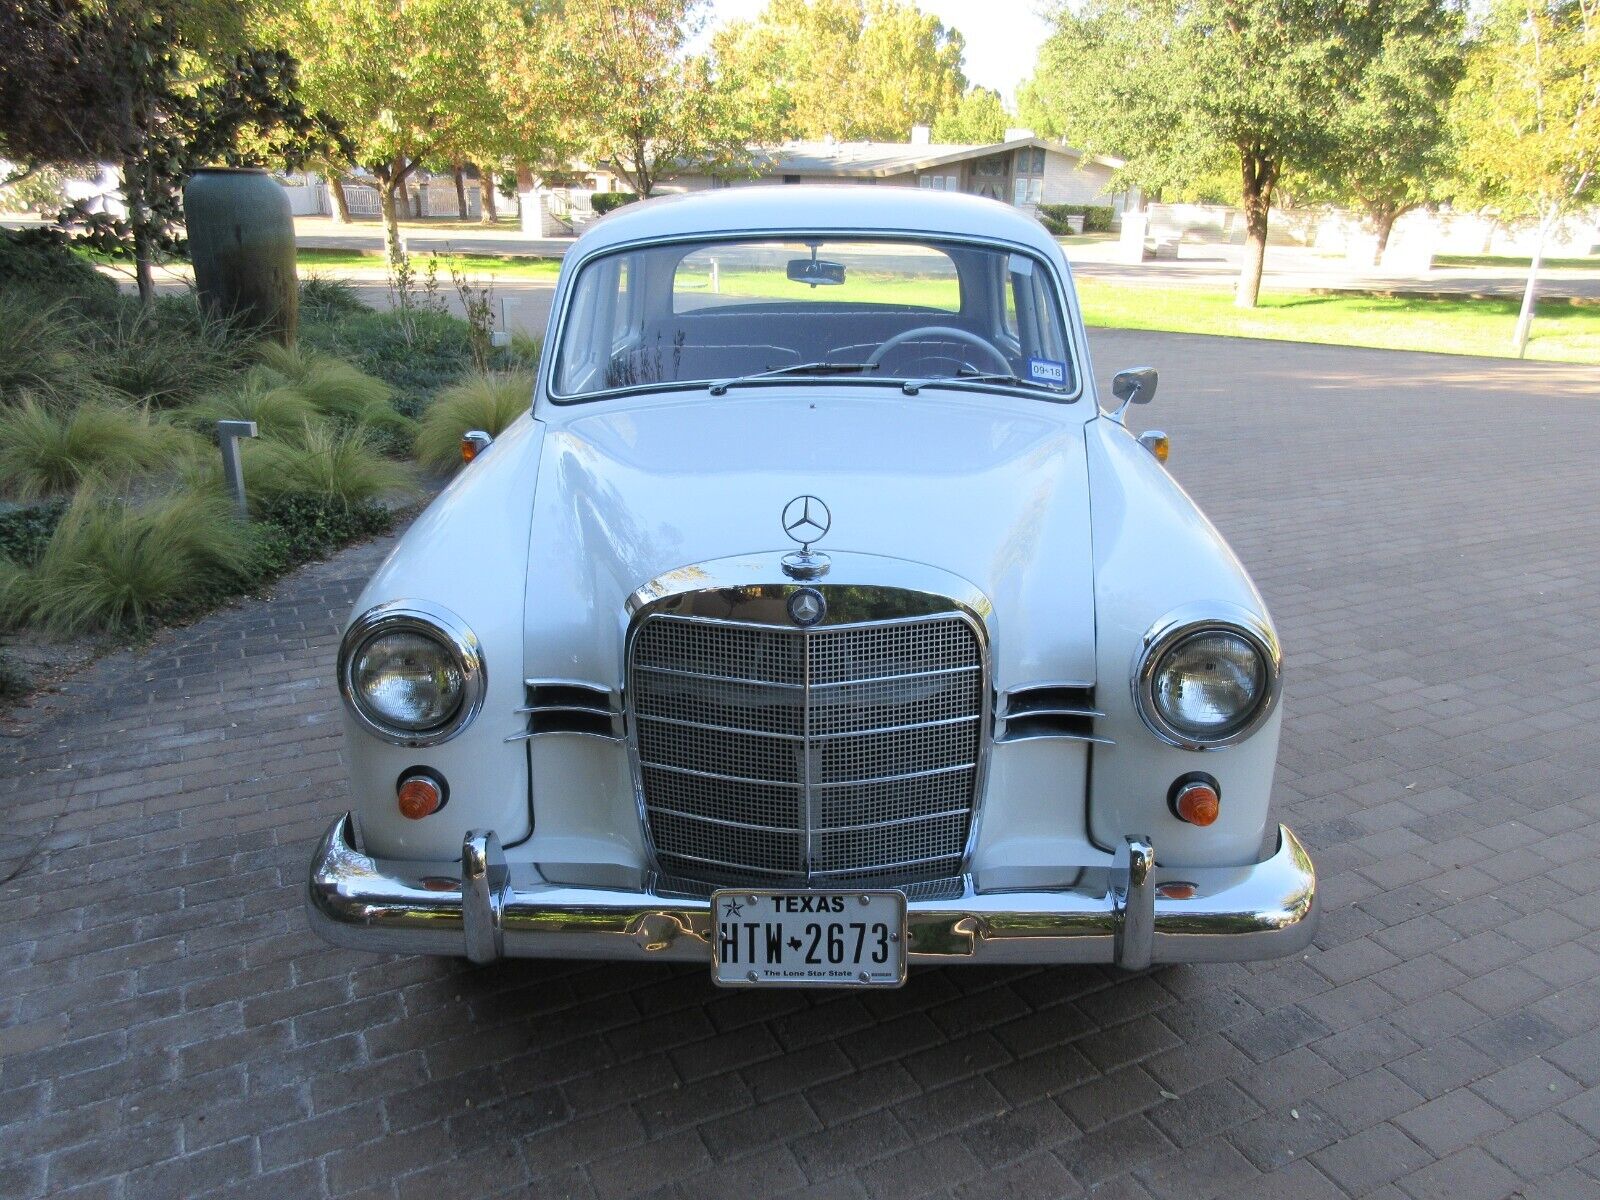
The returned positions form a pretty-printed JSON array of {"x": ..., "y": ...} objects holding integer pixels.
[{"x": 1022, "y": 170}]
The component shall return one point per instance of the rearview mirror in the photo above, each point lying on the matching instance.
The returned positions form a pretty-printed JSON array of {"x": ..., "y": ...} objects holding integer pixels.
[
  {"x": 818, "y": 272},
  {"x": 1136, "y": 385}
]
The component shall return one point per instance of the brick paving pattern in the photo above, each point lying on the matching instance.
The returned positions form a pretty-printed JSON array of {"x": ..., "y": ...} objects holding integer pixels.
[{"x": 1427, "y": 531}]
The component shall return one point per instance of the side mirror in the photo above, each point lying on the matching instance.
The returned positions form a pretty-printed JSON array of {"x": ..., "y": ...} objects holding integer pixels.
[{"x": 1136, "y": 385}]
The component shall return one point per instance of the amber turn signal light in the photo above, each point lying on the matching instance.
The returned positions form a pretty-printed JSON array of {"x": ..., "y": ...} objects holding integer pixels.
[
  {"x": 419, "y": 796},
  {"x": 473, "y": 443},
  {"x": 1196, "y": 800}
]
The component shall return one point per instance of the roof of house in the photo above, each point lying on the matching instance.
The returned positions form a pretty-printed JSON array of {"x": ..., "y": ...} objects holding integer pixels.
[{"x": 879, "y": 160}]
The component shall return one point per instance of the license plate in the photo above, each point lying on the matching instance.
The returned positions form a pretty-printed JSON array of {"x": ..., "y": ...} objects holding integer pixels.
[{"x": 808, "y": 939}]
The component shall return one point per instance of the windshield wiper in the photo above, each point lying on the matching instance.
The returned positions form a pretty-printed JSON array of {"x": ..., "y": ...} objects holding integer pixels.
[
  {"x": 721, "y": 386},
  {"x": 912, "y": 386}
]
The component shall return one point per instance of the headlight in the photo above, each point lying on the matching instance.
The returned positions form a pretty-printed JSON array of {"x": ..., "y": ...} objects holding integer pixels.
[
  {"x": 1207, "y": 682},
  {"x": 411, "y": 672}
]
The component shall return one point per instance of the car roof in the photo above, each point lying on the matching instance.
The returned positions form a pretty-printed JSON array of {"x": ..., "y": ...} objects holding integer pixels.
[{"x": 821, "y": 208}]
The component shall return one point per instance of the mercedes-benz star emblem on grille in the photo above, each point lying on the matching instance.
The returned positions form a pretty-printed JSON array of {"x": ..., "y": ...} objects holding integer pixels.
[
  {"x": 806, "y": 519},
  {"x": 807, "y": 607}
]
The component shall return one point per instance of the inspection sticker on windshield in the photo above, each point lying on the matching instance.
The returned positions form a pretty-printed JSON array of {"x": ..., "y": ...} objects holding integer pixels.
[{"x": 1047, "y": 370}]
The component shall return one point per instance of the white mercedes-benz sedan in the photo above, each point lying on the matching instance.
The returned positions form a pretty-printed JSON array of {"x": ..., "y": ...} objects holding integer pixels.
[{"x": 818, "y": 620}]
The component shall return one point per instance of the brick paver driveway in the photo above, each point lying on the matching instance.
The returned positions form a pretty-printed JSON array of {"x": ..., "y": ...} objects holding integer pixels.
[{"x": 1428, "y": 533}]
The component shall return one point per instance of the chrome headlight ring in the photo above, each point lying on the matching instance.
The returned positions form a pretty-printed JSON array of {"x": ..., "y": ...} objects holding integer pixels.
[
  {"x": 1185, "y": 623},
  {"x": 436, "y": 623}
]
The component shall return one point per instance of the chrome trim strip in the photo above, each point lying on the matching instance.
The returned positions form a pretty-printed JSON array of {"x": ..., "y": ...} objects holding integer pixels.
[
  {"x": 835, "y": 783},
  {"x": 789, "y": 829},
  {"x": 877, "y": 869},
  {"x": 1093, "y": 739},
  {"x": 773, "y": 683},
  {"x": 1051, "y": 712},
  {"x": 866, "y": 731},
  {"x": 581, "y": 708},
  {"x": 1234, "y": 914}
]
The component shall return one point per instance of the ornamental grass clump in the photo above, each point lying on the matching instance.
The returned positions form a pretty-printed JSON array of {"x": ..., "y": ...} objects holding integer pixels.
[
  {"x": 487, "y": 402},
  {"x": 39, "y": 350},
  {"x": 334, "y": 387},
  {"x": 47, "y": 450},
  {"x": 167, "y": 353},
  {"x": 277, "y": 409},
  {"x": 340, "y": 466},
  {"x": 115, "y": 566}
]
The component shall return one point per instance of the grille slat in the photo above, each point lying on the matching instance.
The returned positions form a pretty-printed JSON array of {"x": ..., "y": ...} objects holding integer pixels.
[{"x": 847, "y": 753}]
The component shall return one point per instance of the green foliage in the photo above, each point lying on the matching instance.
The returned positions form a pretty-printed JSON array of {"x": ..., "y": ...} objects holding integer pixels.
[
  {"x": 115, "y": 566},
  {"x": 39, "y": 343},
  {"x": 1178, "y": 89},
  {"x": 323, "y": 299},
  {"x": 979, "y": 116},
  {"x": 276, "y": 409},
  {"x": 339, "y": 466},
  {"x": 40, "y": 260},
  {"x": 437, "y": 351},
  {"x": 1097, "y": 218},
  {"x": 24, "y": 532},
  {"x": 14, "y": 680},
  {"x": 46, "y": 451},
  {"x": 167, "y": 352},
  {"x": 293, "y": 529},
  {"x": 334, "y": 387},
  {"x": 604, "y": 202},
  {"x": 487, "y": 402},
  {"x": 855, "y": 69},
  {"x": 523, "y": 352},
  {"x": 1527, "y": 117},
  {"x": 654, "y": 106}
]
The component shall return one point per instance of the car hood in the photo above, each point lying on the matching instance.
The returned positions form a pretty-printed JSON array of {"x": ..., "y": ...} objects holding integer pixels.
[{"x": 995, "y": 492}]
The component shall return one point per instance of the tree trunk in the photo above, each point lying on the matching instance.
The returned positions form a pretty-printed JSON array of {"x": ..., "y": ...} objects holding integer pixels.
[
  {"x": 461, "y": 189},
  {"x": 1383, "y": 222},
  {"x": 1530, "y": 294},
  {"x": 341, "y": 202},
  {"x": 405, "y": 194},
  {"x": 524, "y": 186},
  {"x": 143, "y": 267},
  {"x": 1258, "y": 176},
  {"x": 488, "y": 209},
  {"x": 392, "y": 245}
]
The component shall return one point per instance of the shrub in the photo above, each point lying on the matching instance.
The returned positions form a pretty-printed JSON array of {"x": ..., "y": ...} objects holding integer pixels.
[
  {"x": 115, "y": 566},
  {"x": 523, "y": 352},
  {"x": 292, "y": 529},
  {"x": 24, "y": 532},
  {"x": 40, "y": 260},
  {"x": 333, "y": 386},
  {"x": 1096, "y": 217},
  {"x": 39, "y": 349},
  {"x": 487, "y": 402},
  {"x": 167, "y": 353},
  {"x": 604, "y": 202},
  {"x": 417, "y": 353},
  {"x": 339, "y": 466},
  {"x": 46, "y": 451},
  {"x": 329, "y": 299},
  {"x": 276, "y": 409}
]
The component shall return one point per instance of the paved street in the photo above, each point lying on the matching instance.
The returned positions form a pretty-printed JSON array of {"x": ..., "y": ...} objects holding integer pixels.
[{"x": 1427, "y": 532}]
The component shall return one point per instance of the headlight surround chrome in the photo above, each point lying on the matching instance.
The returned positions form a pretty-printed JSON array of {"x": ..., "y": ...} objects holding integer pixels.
[
  {"x": 1219, "y": 631},
  {"x": 387, "y": 648}
]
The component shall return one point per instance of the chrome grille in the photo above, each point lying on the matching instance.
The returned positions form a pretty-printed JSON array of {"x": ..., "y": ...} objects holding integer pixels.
[{"x": 845, "y": 754}]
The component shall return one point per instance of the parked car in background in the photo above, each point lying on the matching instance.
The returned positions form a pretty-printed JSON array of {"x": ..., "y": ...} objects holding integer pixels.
[{"x": 816, "y": 622}]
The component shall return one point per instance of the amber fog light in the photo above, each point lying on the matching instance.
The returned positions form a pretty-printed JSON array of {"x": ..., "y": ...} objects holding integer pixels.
[
  {"x": 1196, "y": 799},
  {"x": 421, "y": 793}
]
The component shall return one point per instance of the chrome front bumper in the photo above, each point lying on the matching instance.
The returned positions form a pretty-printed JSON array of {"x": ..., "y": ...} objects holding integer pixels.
[{"x": 1133, "y": 913}]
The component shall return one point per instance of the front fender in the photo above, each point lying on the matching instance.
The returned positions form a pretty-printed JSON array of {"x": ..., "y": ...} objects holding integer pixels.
[{"x": 1154, "y": 552}]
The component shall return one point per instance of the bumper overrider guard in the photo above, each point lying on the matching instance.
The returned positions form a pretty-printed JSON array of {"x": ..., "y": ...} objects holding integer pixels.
[{"x": 1131, "y": 914}]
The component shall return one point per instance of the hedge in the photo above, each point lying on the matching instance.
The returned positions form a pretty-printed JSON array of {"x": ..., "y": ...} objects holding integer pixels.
[
  {"x": 1096, "y": 217},
  {"x": 604, "y": 202}
]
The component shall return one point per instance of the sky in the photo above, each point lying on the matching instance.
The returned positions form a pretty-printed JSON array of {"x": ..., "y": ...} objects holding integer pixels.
[{"x": 1003, "y": 36}]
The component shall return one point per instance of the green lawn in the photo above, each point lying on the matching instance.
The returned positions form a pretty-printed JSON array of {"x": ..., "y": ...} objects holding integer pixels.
[
  {"x": 1562, "y": 332},
  {"x": 510, "y": 266},
  {"x": 1511, "y": 263}
]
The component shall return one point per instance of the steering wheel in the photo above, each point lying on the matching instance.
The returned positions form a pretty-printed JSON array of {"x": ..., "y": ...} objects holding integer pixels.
[{"x": 949, "y": 333}]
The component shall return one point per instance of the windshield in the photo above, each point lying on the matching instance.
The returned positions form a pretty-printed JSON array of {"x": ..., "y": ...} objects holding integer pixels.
[{"x": 722, "y": 312}]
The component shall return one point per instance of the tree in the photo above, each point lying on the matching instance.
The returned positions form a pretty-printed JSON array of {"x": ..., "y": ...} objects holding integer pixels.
[
  {"x": 979, "y": 116},
  {"x": 652, "y": 107},
  {"x": 157, "y": 87},
  {"x": 402, "y": 80},
  {"x": 852, "y": 69},
  {"x": 1392, "y": 140},
  {"x": 1176, "y": 86},
  {"x": 1528, "y": 120}
]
